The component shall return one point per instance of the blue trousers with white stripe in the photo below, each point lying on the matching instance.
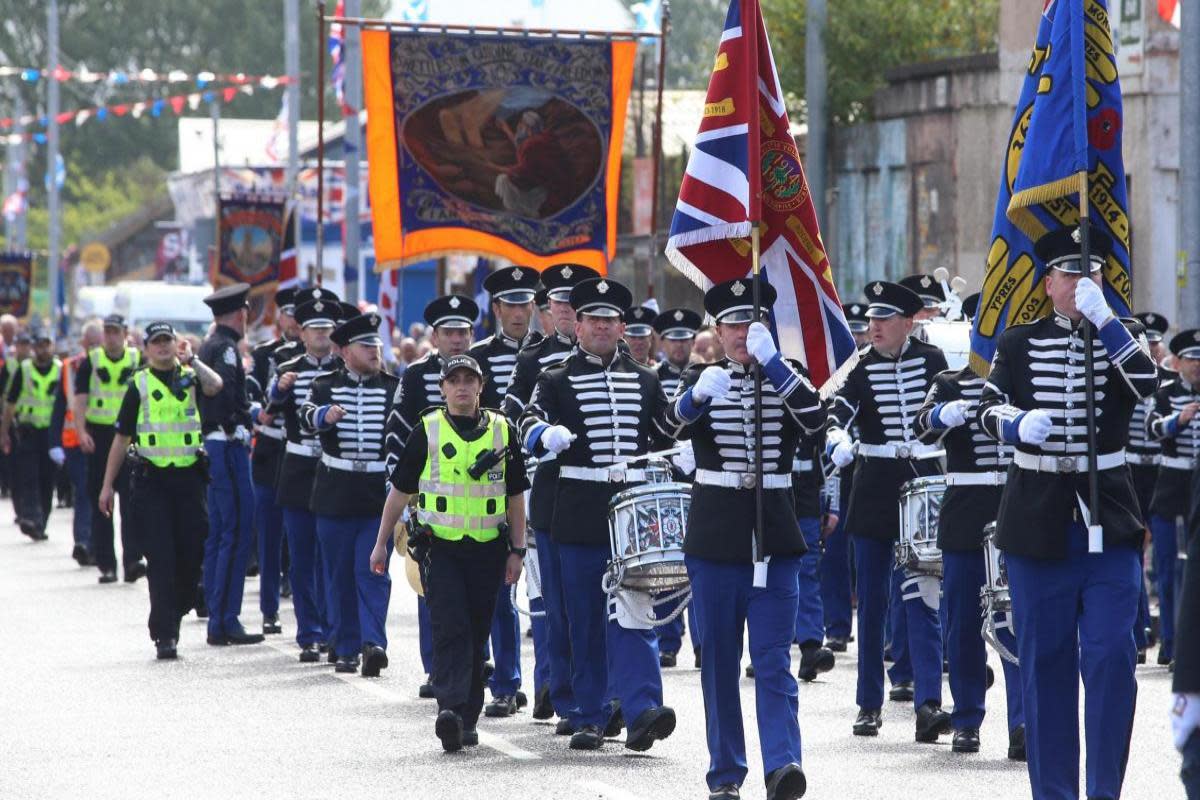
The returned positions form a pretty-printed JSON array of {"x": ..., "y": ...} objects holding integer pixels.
[
  {"x": 357, "y": 597},
  {"x": 810, "y": 617},
  {"x": 558, "y": 637},
  {"x": 506, "y": 646},
  {"x": 268, "y": 517},
  {"x": 230, "y": 533},
  {"x": 835, "y": 584},
  {"x": 1166, "y": 549},
  {"x": 307, "y": 575}
]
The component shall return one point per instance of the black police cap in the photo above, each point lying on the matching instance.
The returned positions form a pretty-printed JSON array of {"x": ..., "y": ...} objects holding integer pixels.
[
  {"x": 228, "y": 299},
  {"x": 452, "y": 311},
  {"x": 677, "y": 323},
  {"x": 363, "y": 329},
  {"x": 888, "y": 299},
  {"x": 1186, "y": 344},
  {"x": 561, "y": 278},
  {"x": 285, "y": 299},
  {"x": 462, "y": 361},
  {"x": 639, "y": 321},
  {"x": 1156, "y": 325},
  {"x": 601, "y": 297},
  {"x": 733, "y": 301},
  {"x": 157, "y": 329},
  {"x": 856, "y": 317},
  {"x": 318, "y": 313},
  {"x": 515, "y": 285},
  {"x": 1060, "y": 249},
  {"x": 114, "y": 321},
  {"x": 929, "y": 290},
  {"x": 303, "y": 296}
]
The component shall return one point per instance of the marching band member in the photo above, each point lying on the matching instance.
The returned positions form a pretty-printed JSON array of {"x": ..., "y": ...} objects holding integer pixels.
[
  {"x": 30, "y": 403},
  {"x": 882, "y": 396},
  {"x": 931, "y": 292},
  {"x": 511, "y": 290},
  {"x": 976, "y": 466},
  {"x": 715, "y": 412},
  {"x": 465, "y": 465},
  {"x": 815, "y": 658},
  {"x": 1074, "y": 603},
  {"x": 1175, "y": 425},
  {"x": 595, "y": 410},
  {"x": 557, "y": 281},
  {"x": 639, "y": 334},
  {"x": 347, "y": 408}
]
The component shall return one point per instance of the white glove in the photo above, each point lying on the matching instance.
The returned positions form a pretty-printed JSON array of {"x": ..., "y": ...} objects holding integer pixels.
[
  {"x": 1185, "y": 718},
  {"x": 713, "y": 382},
  {"x": 1034, "y": 427},
  {"x": 57, "y": 455},
  {"x": 954, "y": 413},
  {"x": 1089, "y": 299},
  {"x": 836, "y": 436},
  {"x": 843, "y": 454},
  {"x": 685, "y": 459},
  {"x": 760, "y": 344},
  {"x": 557, "y": 438}
]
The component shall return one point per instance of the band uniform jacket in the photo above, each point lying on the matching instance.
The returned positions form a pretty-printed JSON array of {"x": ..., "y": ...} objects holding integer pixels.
[
  {"x": 293, "y": 487},
  {"x": 1187, "y": 630},
  {"x": 269, "y": 438},
  {"x": 419, "y": 389},
  {"x": 615, "y": 411},
  {"x": 551, "y": 350},
  {"x": 721, "y": 519},
  {"x": 1180, "y": 450},
  {"x": 882, "y": 396},
  {"x": 229, "y": 409},
  {"x": 669, "y": 376},
  {"x": 808, "y": 474},
  {"x": 358, "y": 436},
  {"x": 497, "y": 357},
  {"x": 965, "y": 510},
  {"x": 1143, "y": 448},
  {"x": 1041, "y": 365}
]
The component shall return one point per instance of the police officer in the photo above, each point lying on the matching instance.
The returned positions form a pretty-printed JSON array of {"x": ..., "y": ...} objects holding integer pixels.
[
  {"x": 559, "y": 698},
  {"x": 1175, "y": 424},
  {"x": 511, "y": 290},
  {"x": 562, "y": 418},
  {"x": 1074, "y": 591},
  {"x": 225, "y": 418},
  {"x": 451, "y": 320},
  {"x": 464, "y": 465},
  {"x": 715, "y": 411},
  {"x": 158, "y": 414},
  {"x": 976, "y": 466},
  {"x": 347, "y": 408},
  {"x": 639, "y": 334},
  {"x": 882, "y": 396},
  {"x": 30, "y": 401},
  {"x": 317, "y": 314}
]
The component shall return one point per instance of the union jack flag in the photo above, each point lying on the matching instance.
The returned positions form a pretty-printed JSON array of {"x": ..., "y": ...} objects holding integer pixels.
[
  {"x": 337, "y": 54},
  {"x": 746, "y": 125}
]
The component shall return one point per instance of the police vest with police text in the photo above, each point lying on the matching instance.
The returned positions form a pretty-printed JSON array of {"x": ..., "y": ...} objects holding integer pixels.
[
  {"x": 451, "y": 502},
  {"x": 168, "y": 427}
]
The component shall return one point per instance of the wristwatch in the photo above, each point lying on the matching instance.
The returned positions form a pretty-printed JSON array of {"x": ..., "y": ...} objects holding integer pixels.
[{"x": 520, "y": 551}]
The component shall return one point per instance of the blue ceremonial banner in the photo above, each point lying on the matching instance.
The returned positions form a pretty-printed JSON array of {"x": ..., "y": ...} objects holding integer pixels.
[{"x": 1068, "y": 120}]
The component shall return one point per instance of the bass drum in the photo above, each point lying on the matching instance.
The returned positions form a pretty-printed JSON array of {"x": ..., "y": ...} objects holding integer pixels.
[{"x": 953, "y": 337}]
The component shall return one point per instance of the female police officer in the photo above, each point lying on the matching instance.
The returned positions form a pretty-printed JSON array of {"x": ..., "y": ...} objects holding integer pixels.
[{"x": 465, "y": 466}]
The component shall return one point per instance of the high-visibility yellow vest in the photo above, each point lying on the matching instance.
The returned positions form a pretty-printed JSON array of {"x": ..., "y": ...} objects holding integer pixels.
[
  {"x": 35, "y": 404},
  {"x": 451, "y": 502},
  {"x": 105, "y": 393},
  {"x": 168, "y": 428}
]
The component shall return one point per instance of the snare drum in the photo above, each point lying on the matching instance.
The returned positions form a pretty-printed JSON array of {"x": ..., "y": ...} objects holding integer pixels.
[
  {"x": 645, "y": 530},
  {"x": 994, "y": 593},
  {"x": 920, "y": 504}
]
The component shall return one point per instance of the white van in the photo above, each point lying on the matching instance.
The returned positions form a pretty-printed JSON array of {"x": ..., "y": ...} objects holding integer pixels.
[{"x": 182, "y": 305}]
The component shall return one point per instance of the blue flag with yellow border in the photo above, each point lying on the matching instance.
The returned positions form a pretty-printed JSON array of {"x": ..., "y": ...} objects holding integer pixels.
[{"x": 1068, "y": 119}]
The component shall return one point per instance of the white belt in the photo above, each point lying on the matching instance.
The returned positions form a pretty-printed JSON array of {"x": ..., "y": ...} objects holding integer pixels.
[
  {"x": 239, "y": 434},
  {"x": 308, "y": 451},
  {"x": 271, "y": 433},
  {"x": 975, "y": 478},
  {"x": 602, "y": 474},
  {"x": 914, "y": 450},
  {"x": 1177, "y": 462},
  {"x": 741, "y": 480},
  {"x": 353, "y": 464},
  {"x": 1142, "y": 459},
  {"x": 1038, "y": 463},
  {"x": 802, "y": 466}
]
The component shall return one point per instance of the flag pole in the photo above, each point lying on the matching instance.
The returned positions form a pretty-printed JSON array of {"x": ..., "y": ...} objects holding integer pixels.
[
  {"x": 1095, "y": 531},
  {"x": 322, "y": 43},
  {"x": 751, "y": 22},
  {"x": 760, "y": 560},
  {"x": 656, "y": 136}
]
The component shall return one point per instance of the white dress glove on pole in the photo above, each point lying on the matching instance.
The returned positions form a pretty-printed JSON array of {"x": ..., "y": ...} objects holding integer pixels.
[
  {"x": 1089, "y": 299},
  {"x": 557, "y": 438},
  {"x": 954, "y": 413},
  {"x": 1034, "y": 427},
  {"x": 843, "y": 453},
  {"x": 760, "y": 344},
  {"x": 713, "y": 382}
]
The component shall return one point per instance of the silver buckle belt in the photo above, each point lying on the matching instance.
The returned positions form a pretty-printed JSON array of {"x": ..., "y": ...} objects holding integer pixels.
[
  {"x": 1067, "y": 464},
  {"x": 271, "y": 433},
  {"x": 1177, "y": 462},
  {"x": 805, "y": 465},
  {"x": 602, "y": 474},
  {"x": 914, "y": 450},
  {"x": 741, "y": 480},
  {"x": 976, "y": 478},
  {"x": 353, "y": 464},
  {"x": 1142, "y": 459},
  {"x": 298, "y": 449},
  {"x": 239, "y": 434}
]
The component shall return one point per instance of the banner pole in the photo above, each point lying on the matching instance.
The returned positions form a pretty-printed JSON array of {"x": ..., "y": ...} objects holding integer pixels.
[
  {"x": 760, "y": 559},
  {"x": 321, "y": 45},
  {"x": 657, "y": 144},
  {"x": 1095, "y": 531}
]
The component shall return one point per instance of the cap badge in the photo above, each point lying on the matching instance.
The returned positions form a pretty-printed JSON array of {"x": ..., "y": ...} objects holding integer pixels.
[
  {"x": 1150, "y": 319},
  {"x": 455, "y": 302},
  {"x": 318, "y": 306},
  {"x": 925, "y": 282},
  {"x": 1077, "y": 236},
  {"x": 374, "y": 319},
  {"x": 566, "y": 272},
  {"x": 602, "y": 287},
  {"x": 738, "y": 289},
  {"x": 1196, "y": 336},
  {"x": 516, "y": 273},
  {"x": 877, "y": 289},
  {"x": 317, "y": 293},
  {"x": 679, "y": 316}
]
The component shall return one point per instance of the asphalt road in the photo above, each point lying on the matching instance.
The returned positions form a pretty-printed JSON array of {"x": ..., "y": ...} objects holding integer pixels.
[{"x": 86, "y": 711}]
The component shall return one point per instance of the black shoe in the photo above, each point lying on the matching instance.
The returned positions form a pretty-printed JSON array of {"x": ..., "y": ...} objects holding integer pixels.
[
  {"x": 285, "y": 587},
  {"x": 749, "y": 670},
  {"x": 108, "y": 576},
  {"x": 521, "y": 699},
  {"x": 616, "y": 722},
  {"x": 330, "y": 656},
  {"x": 932, "y": 722},
  {"x": 991, "y": 677},
  {"x": 814, "y": 660},
  {"x": 868, "y": 722},
  {"x": 88, "y": 560},
  {"x": 1141, "y": 657},
  {"x": 309, "y": 654},
  {"x": 787, "y": 783},
  {"x": 323, "y": 647},
  {"x": 945, "y": 666},
  {"x": 80, "y": 554},
  {"x": 564, "y": 728},
  {"x": 470, "y": 738},
  {"x": 502, "y": 706},
  {"x": 346, "y": 664},
  {"x": 966, "y": 741},
  {"x": 696, "y": 652},
  {"x": 238, "y": 635},
  {"x": 374, "y": 658},
  {"x": 887, "y": 656},
  {"x": 1016, "y": 744},
  {"x": 587, "y": 738},
  {"x": 165, "y": 649},
  {"x": 217, "y": 640},
  {"x": 1163, "y": 659},
  {"x": 667, "y": 659},
  {"x": 902, "y": 692},
  {"x": 134, "y": 571},
  {"x": 489, "y": 669},
  {"x": 651, "y": 725},
  {"x": 726, "y": 791},
  {"x": 425, "y": 691},
  {"x": 529, "y": 633},
  {"x": 27, "y": 526},
  {"x": 449, "y": 728},
  {"x": 836, "y": 644},
  {"x": 271, "y": 625},
  {"x": 542, "y": 708},
  {"x": 201, "y": 607},
  {"x": 252, "y": 569}
]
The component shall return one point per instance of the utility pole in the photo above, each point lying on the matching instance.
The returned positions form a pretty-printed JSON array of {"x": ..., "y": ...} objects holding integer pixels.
[
  {"x": 291, "y": 65},
  {"x": 352, "y": 148},
  {"x": 816, "y": 87},
  {"x": 215, "y": 108},
  {"x": 1189, "y": 167},
  {"x": 14, "y": 156},
  {"x": 52, "y": 104}
]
